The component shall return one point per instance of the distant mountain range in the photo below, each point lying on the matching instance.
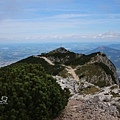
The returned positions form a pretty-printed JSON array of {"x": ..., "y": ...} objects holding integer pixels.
[{"x": 115, "y": 46}]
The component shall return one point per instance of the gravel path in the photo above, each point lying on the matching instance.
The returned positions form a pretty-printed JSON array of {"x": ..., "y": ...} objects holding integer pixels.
[
  {"x": 47, "y": 60},
  {"x": 81, "y": 110},
  {"x": 72, "y": 72},
  {"x": 68, "y": 68}
]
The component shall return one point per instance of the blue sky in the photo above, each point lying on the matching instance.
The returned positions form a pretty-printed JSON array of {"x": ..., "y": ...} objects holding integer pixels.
[{"x": 59, "y": 20}]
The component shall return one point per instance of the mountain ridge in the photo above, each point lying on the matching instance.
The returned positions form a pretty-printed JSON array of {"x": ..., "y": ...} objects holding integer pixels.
[
  {"x": 96, "y": 89},
  {"x": 61, "y": 56}
]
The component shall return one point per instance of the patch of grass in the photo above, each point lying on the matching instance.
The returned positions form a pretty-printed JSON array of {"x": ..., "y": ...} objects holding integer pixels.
[
  {"x": 89, "y": 70},
  {"x": 89, "y": 90},
  {"x": 101, "y": 83},
  {"x": 94, "y": 74},
  {"x": 64, "y": 73},
  {"x": 107, "y": 70}
]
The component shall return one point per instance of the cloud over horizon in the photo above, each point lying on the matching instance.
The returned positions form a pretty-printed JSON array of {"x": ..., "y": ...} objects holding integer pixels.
[{"x": 59, "y": 19}]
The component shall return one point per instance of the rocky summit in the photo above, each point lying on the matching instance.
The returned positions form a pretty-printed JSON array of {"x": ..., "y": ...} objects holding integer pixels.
[
  {"x": 94, "y": 68},
  {"x": 91, "y": 79},
  {"x": 59, "y": 50}
]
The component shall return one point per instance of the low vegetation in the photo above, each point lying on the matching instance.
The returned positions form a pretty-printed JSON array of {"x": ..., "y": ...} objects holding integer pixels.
[
  {"x": 60, "y": 55},
  {"x": 102, "y": 83},
  {"x": 81, "y": 60},
  {"x": 64, "y": 74},
  {"x": 107, "y": 70},
  {"x": 89, "y": 90},
  {"x": 50, "y": 69},
  {"x": 32, "y": 93}
]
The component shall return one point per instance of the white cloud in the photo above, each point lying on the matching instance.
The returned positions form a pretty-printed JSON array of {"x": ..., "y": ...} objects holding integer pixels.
[
  {"x": 109, "y": 35},
  {"x": 61, "y": 26},
  {"x": 103, "y": 37},
  {"x": 63, "y": 16}
]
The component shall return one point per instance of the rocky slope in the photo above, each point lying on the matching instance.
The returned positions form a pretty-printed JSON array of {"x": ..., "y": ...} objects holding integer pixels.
[
  {"x": 90, "y": 102},
  {"x": 99, "y": 70},
  {"x": 113, "y": 54},
  {"x": 91, "y": 79},
  {"x": 83, "y": 110},
  {"x": 95, "y": 68}
]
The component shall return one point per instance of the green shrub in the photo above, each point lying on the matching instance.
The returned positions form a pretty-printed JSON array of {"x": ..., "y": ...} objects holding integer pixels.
[
  {"x": 50, "y": 69},
  {"x": 32, "y": 94},
  {"x": 81, "y": 60}
]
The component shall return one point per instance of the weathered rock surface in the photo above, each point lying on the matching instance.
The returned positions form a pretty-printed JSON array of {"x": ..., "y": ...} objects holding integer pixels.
[
  {"x": 88, "y": 110},
  {"x": 103, "y": 104}
]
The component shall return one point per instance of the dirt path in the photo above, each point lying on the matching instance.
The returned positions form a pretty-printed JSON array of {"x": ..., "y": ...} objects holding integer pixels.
[
  {"x": 47, "y": 60},
  {"x": 68, "y": 68},
  {"x": 72, "y": 72}
]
